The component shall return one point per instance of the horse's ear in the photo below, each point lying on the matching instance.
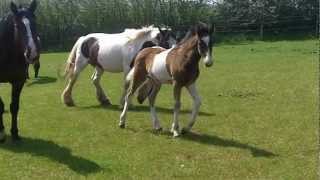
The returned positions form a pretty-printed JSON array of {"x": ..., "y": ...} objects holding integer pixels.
[
  {"x": 211, "y": 28},
  {"x": 161, "y": 32},
  {"x": 13, "y": 8},
  {"x": 33, "y": 6}
]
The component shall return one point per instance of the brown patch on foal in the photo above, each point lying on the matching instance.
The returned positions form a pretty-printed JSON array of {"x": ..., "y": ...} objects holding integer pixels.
[{"x": 182, "y": 62}]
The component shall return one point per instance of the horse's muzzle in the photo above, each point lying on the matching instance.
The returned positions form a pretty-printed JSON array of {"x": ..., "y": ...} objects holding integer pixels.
[{"x": 29, "y": 56}]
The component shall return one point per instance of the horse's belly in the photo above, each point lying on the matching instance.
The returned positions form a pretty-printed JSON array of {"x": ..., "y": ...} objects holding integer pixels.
[
  {"x": 112, "y": 65},
  {"x": 111, "y": 61}
]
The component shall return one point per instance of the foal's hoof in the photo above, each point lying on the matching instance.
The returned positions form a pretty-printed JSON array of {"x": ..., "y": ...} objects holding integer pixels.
[
  {"x": 157, "y": 130},
  {"x": 176, "y": 134},
  {"x": 122, "y": 126}
]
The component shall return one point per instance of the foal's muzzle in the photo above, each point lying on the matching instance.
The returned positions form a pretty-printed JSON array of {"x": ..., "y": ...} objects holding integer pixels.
[{"x": 209, "y": 64}]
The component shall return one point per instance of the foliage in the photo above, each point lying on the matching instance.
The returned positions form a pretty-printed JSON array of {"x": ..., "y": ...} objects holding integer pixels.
[{"x": 61, "y": 22}]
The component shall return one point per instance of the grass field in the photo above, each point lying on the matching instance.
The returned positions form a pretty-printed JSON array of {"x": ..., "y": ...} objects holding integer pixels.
[{"x": 259, "y": 120}]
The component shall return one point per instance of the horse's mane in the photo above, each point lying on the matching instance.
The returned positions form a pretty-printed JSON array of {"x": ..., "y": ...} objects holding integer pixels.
[
  {"x": 6, "y": 28},
  {"x": 136, "y": 34}
]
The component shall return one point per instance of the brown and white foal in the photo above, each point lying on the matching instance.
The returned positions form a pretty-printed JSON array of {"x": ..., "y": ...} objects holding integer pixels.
[{"x": 178, "y": 66}]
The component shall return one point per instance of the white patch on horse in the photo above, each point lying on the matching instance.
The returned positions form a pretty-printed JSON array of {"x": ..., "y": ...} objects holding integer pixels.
[
  {"x": 31, "y": 43},
  {"x": 159, "y": 69}
]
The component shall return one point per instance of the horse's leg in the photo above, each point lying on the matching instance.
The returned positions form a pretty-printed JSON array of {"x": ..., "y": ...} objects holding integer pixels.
[
  {"x": 196, "y": 105},
  {"x": 152, "y": 97},
  {"x": 102, "y": 98},
  {"x": 177, "y": 97},
  {"x": 36, "y": 67},
  {"x": 67, "y": 93},
  {"x": 2, "y": 133},
  {"x": 137, "y": 80},
  {"x": 27, "y": 71},
  {"x": 14, "y": 108}
]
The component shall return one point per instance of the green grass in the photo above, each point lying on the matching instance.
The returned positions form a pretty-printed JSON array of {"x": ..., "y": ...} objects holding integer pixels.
[{"x": 258, "y": 120}]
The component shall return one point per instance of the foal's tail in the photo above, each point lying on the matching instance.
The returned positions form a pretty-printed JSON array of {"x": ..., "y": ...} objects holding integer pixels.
[{"x": 71, "y": 60}]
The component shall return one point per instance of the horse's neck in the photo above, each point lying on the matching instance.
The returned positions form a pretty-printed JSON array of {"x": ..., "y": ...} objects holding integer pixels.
[
  {"x": 137, "y": 44},
  {"x": 6, "y": 38}
]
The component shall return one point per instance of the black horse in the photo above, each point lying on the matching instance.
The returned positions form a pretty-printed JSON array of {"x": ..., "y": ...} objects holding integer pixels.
[{"x": 18, "y": 48}]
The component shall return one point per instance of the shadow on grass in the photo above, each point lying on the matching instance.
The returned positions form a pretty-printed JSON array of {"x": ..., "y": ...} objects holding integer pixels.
[
  {"x": 53, "y": 151},
  {"x": 42, "y": 80},
  {"x": 218, "y": 141},
  {"x": 143, "y": 108}
]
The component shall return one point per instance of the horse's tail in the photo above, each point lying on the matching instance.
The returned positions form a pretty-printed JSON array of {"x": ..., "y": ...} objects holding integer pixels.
[{"x": 71, "y": 60}]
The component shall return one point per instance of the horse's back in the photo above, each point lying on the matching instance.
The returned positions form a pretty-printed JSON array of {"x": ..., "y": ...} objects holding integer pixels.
[{"x": 111, "y": 50}]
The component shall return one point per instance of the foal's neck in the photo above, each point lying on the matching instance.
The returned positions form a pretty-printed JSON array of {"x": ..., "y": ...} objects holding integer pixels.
[{"x": 190, "y": 48}]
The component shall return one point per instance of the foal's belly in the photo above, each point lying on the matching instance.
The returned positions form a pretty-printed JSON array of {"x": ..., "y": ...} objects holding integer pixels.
[{"x": 159, "y": 67}]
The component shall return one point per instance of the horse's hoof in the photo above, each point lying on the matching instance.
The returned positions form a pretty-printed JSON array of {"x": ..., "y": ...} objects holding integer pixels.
[
  {"x": 2, "y": 137},
  {"x": 105, "y": 103},
  {"x": 16, "y": 138},
  {"x": 122, "y": 126},
  {"x": 184, "y": 131},
  {"x": 69, "y": 104}
]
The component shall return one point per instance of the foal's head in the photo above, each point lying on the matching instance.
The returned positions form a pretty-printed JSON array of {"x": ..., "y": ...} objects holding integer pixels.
[
  {"x": 25, "y": 32},
  {"x": 205, "y": 43}
]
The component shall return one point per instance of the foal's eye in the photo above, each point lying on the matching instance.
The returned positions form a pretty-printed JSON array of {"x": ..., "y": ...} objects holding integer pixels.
[{"x": 203, "y": 44}]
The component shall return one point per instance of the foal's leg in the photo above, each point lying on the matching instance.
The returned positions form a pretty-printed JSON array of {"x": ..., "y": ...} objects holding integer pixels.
[
  {"x": 27, "y": 71},
  {"x": 14, "y": 108},
  {"x": 138, "y": 78},
  {"x": 196, "y": 105},
  {"x": 152, "y": 97},
  {"x": 2, "y": 133},
  {"x": 67, "y": 93},
  {"x": 126, "y": 84},
  {"x": 176, "y": 111},
  {"x": 102, "y": 98}
]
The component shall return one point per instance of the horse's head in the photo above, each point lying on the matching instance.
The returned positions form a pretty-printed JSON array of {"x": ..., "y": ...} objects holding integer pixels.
[
  {"x": 25, "y": 32},
  {"x": 205, "y": 42},
  {"x": 161, "y": 37},
  {"x": 166, "y": 38}
]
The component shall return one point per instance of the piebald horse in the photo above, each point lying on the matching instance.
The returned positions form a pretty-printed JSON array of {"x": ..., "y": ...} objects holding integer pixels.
[
  {"x": 18, "y": 47},
  {"x": 109, "y": 52},
  {"x": 178, "y": 66}
]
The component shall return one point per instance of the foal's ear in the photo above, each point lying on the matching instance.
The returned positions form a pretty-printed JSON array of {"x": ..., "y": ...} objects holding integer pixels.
[
  {"x": 13, "y": 8},
  {"x": 33, "y": 6}
]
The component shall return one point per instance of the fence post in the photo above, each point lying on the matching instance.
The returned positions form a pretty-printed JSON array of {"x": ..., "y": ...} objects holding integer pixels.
[{"x": 261, "y": 31}]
